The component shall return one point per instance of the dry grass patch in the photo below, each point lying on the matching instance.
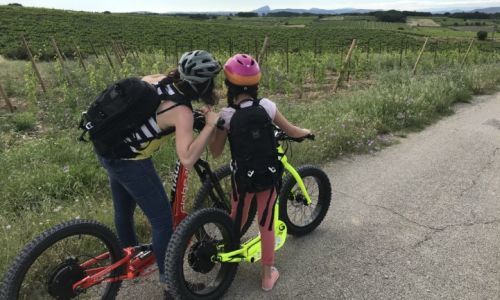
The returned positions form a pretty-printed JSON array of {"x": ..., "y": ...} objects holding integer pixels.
[{"x": 422, "y": 23}]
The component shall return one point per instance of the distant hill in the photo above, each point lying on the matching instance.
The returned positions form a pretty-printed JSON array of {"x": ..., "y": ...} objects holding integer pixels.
[
  {"x": 488, "y": 10},
  {"x": 318, "y": 11}
]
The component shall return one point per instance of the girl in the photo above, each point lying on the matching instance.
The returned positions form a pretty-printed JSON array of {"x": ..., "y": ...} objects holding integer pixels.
[{"x": 243, "y": 75}]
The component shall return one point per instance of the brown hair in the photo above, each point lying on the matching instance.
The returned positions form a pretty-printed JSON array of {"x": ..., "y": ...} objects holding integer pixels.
[
  {"x": 208, "y": 97},
  {"x": 234, "y": 90}
]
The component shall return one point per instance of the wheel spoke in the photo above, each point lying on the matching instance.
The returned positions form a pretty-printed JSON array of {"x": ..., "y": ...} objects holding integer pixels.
[{"x": 299, "y": 213}]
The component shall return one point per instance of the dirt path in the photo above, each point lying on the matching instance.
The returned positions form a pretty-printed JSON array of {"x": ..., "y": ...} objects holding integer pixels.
[{"x": 418, "y": 220}]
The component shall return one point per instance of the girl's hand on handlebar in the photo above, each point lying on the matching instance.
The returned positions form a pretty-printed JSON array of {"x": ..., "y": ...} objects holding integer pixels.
[{"x": 305, "y": 133}]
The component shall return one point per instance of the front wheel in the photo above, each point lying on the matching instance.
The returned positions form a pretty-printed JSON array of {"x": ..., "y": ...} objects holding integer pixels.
[
  {"x": 299, "y": 217},
  {"x": 49, "y": 266},
  {"x": 191, "y": 269},
  {"x": 208, "y": 196}
]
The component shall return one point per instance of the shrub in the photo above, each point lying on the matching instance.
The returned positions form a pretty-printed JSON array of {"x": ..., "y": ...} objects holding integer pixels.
[
  {"x": 24, "y": 121},
  {"x": 390, "y": 16},
  {"x": 482, "y": 35},
  {"x": 16, "y": 53}
]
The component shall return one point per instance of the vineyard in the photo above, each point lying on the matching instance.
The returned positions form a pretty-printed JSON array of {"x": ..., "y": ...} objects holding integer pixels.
[
  {"x": 396, "y": 80},
  {"x": 175, "y": 34}
]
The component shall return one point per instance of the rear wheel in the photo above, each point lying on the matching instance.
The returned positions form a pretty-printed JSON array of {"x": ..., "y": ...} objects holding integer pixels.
[
  {"x": 192, "y": 272},
  {"x": 208, "y": 197},
  {"x": 51, "y": 264},
  {"x": 299, "y": 217}
]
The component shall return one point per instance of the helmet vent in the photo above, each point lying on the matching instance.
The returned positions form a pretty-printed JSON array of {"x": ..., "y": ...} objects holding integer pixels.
[{"x": 240, "y": 62}]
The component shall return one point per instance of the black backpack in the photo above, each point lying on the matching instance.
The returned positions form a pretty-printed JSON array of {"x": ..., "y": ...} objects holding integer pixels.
[
  {"x": 117, "y": 111},
  {"x": 255, "y": 163}
]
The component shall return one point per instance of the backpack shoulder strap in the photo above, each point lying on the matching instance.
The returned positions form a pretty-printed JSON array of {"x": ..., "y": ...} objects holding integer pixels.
[
  {"x": 167, "y": 92},
  {"x": 169, "y": 108}
]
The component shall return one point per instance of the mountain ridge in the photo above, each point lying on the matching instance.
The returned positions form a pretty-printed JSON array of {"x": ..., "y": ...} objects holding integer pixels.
[{"x": 267, "y": 9}]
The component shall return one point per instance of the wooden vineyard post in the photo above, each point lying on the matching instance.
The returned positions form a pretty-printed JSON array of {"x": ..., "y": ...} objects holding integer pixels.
[
  {"x": 260, "y": 58},
  {"x": 176, "y": 53},
  {"x": 122, "y": 49},
  {"x": 109, "y": 58},
  {"x": 80, "y": 58},
  {"x": 56, "y": 48},
  {"x": 256, "y": 48},
  {"x": 346, "y": 61},
  {"x": 37, "y": 73},
  {"x": 467, "y": 53},
  {"x": 401, "y": 54},
  {"x": 117, "y": 54},
  {"x": 93, "y": 49},
  {"x": 435, "y": 51},
  {"x": 7, "y": 101},
  {"x": 287, "y": 58},
  {"x": 368, "y": 52},
  {"x": 61, "y": 59},
  {"x": 314, "y": 57},
  {"x": 230, "y": 47},
  {"x": 165, "y": 47},
  {"x": 419, "y": 56}
]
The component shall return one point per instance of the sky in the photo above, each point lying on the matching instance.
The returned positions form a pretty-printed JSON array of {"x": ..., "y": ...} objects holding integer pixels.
[{"x": 232, "y": 5}]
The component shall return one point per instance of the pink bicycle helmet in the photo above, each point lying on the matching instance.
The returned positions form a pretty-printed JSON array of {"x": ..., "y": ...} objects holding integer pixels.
[{"x": 242, "y": 70}]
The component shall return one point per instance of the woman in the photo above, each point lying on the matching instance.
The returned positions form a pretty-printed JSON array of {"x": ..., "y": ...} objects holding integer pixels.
[
  {"x": 133, "y": 178},
  {"x": 242, "y": 80}
]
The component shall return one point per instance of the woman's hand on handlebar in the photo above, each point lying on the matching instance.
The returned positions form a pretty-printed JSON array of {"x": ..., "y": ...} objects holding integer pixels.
[{"x": 211, "y": 118}]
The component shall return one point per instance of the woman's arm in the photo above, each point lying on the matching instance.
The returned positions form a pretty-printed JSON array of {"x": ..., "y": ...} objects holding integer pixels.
[
  {"x": 290, "y": 129},
  {"x": 152, "y": 79},
  {"x": 189, "y": 149}
]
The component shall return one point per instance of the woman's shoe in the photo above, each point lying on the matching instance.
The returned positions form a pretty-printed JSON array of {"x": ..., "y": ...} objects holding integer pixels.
[{"x": 268, "y": 283}]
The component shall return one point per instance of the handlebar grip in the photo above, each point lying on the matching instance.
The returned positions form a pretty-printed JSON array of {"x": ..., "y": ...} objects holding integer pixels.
[
  {"x": 220, "y": 123},
  {"x": 301, "y": 139}
]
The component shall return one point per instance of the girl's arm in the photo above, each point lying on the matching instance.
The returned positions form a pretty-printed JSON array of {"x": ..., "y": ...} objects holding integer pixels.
[
  {"x": 217, "y": 145},
  {"x": 290, "y": 129}
]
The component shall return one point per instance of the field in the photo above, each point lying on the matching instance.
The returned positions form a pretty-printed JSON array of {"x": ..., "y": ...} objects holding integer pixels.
[{"x": 46, "y": 177}]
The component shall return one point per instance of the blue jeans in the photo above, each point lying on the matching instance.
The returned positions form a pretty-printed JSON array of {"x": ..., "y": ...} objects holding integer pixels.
[{"x": 136, "y": 182}]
